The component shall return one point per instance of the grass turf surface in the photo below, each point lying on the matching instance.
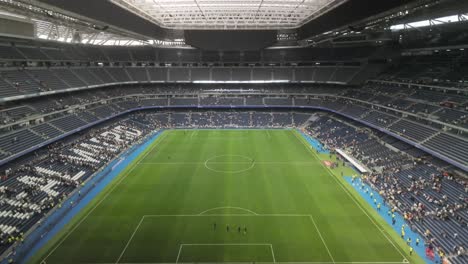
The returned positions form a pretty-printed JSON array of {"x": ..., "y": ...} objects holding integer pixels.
[{"x": 268, "y": 183}]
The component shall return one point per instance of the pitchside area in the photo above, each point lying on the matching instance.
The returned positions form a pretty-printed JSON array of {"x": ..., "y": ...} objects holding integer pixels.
[{"x": 227, "y": 196}]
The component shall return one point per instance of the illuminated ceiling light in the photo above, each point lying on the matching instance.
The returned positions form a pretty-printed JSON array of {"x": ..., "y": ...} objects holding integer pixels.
[{"x": 229, "y": 14}]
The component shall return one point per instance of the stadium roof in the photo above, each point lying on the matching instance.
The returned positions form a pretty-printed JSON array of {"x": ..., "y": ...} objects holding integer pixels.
[{"x": 229, "y": 14}]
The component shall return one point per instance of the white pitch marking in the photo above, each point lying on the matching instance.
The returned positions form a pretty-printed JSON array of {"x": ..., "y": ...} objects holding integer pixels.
[
  {"x": 232, "y": 162},
  {"x": 285, "y": 215},
  {"x": 178, "y": 254},
  {"x": 321, "y": 237},
  {"x": 249, "y": 161},
  {"x": 151, "y": 149},
  {"x": 352, "y": 197},
  {"x": 131, "y": 237},
  {"x": 285, "y": 262},
  {"x": 228, "y": 244},
  {"x": 228, "y": 207},
  {"x": 242, "y": 215},
  {"x": 193, "y": 133},
  {"x": 273, "y": 253},
  {"x": 100, "y": 201}
]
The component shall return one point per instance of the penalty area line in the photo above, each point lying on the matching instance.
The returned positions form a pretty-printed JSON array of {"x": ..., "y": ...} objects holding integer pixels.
[
  {"x": 131, "y": 237},
  {"x": 178, "y": 254},
  {"x": 134, "y": 165},
  {"x": 227, "y": 244},
  {"x": 321, "y": 237},
  {"x": 373, "y": 221}
]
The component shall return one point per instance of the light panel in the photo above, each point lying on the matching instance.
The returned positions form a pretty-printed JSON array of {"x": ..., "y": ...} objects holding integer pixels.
[{"x": 229, "y": 14}]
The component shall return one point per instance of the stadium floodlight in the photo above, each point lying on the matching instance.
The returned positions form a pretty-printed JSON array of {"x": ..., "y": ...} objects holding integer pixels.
[
  {"x": 431, "y": 22},
  {"x": 229, "y": 14}
]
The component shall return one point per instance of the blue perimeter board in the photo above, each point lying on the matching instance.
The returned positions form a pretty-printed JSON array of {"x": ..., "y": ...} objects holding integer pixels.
[
  {"x": 118, "y": 165},
  {"x": 94, "y": 186},
  {"x": 409, "y": 233},
  {"x": 315, "y": 143},
  {"x": 384, "y": 209}
]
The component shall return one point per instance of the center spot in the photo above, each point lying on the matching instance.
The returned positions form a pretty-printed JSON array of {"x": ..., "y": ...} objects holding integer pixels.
[{"x": 230, "y": 163}]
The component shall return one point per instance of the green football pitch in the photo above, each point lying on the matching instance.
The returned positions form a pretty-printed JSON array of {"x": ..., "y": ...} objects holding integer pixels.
[{"x": 227, "y": 196}]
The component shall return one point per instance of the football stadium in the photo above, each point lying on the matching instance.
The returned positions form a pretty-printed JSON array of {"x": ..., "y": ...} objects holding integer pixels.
[{"x": 229, "y": 131}]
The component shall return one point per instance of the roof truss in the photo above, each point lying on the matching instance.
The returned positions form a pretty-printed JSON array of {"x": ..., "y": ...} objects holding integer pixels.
[{"x": 229, "y": 14}]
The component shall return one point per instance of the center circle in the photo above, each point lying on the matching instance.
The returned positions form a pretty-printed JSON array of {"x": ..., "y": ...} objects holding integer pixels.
[{"x": 230, "y": 163}]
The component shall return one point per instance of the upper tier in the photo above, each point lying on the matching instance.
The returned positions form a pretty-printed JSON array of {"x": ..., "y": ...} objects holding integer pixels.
[{"x": 405, "y": 116}]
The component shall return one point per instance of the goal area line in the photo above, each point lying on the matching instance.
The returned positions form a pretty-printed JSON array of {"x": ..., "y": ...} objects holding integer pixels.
[{"x": 228, "y": 245}]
